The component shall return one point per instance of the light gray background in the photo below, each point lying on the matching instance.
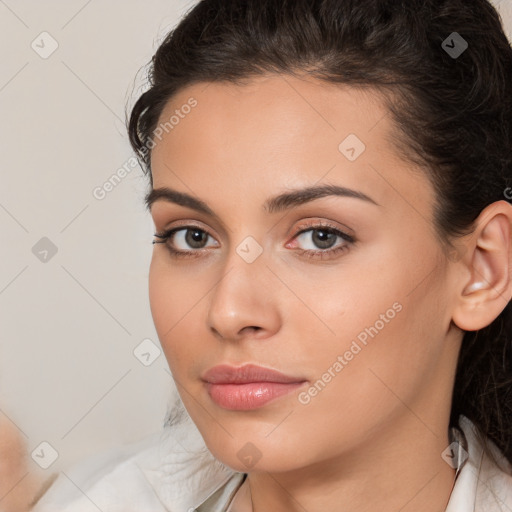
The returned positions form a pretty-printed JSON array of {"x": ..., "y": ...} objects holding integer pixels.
[{"x": 69, "y": 326}]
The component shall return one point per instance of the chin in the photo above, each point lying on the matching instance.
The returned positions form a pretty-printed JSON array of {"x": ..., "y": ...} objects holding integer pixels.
[{"x": 254, "y": 453}]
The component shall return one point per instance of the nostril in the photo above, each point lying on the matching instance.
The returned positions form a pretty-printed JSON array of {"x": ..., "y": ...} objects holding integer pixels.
[{"x": 251, "y": 328}]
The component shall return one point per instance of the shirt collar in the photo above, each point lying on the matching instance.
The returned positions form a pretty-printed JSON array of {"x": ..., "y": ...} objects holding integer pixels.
[
  {"x": 456, "y": 454},
  {"x": 185, "y": 475},
  {"x": 481, "y": 484}
]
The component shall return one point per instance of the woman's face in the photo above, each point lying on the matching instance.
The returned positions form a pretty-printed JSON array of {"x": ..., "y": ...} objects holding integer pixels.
[{"x": 347, "y": 295}]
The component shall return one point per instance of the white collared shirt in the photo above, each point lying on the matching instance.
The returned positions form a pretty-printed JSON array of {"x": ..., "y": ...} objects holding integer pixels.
[{"x": 172, "y": 471}]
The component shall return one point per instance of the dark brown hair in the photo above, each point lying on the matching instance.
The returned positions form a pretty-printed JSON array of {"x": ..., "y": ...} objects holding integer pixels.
[{"x": 452, "y": 116}]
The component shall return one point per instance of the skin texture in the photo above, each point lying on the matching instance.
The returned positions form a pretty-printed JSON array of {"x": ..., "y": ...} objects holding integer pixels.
[{"x": 372, "y": 438}]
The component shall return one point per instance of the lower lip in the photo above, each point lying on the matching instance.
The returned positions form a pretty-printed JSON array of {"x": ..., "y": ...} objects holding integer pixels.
[{"x": 244, "y": 397}]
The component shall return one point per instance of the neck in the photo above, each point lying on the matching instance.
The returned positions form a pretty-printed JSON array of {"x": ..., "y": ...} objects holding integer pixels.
[{"x": 400, "y": 469}]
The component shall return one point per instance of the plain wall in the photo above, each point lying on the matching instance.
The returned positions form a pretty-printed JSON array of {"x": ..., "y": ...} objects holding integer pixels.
[{"x": 69, "y": 324}]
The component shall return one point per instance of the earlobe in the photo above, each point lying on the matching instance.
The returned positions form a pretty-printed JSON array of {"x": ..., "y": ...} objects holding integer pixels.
[{"x": 484, "y": 296}]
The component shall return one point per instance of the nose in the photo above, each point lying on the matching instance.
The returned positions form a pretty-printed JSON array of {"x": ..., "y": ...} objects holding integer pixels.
[{"x": 242, "y": 302}]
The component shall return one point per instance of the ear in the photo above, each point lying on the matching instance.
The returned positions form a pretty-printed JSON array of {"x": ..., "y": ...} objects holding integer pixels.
[{"x": 488, "y": 257}]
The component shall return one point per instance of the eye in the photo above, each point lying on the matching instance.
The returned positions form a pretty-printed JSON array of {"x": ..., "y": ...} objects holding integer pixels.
[
  {"x": 319, "y": 241},
  {"x": 180, "y": 239}
]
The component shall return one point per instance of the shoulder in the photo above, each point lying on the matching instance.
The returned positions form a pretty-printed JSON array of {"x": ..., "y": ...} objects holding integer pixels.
[
  {"x": 494, "y": 485},
  {"x": 96, "y": 482},
  {"x": 171, "y": 468}
]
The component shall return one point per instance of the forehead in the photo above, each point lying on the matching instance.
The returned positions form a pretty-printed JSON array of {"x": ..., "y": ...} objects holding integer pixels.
[
  {"x": 290, "y": 104},
  {"x": 280, "y": 130}
]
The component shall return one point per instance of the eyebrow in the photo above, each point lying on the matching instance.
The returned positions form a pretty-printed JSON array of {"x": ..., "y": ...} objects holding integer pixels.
[{"x": 274, "y": 204}]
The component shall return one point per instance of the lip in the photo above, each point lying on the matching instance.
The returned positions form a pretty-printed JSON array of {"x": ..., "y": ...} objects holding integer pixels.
[
  {"x": 226, "y": 374},
  {"x": 247, "y": 387}
]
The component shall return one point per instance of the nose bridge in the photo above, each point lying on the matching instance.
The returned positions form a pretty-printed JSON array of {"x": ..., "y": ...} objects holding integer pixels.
[
  {"x": 239, "y": 298},
  {"x": 244, "y": 268},
  {"x": 245, "y": 255}
]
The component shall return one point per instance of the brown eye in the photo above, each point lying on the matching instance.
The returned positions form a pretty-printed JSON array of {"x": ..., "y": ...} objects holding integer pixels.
[
  {"x": 321, "y": 238},
  {"x": 195, "y": 237},
  {"x": 184, "y": 241},
  {"x": 320, "y": 241}
]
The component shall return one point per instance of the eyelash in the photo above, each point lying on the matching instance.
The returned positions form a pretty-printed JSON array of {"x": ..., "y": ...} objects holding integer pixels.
[{"x": 308, "y": 253}]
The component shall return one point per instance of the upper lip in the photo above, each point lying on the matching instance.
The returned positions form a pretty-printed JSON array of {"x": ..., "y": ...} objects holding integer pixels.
[{"x": 226, "y": 374}]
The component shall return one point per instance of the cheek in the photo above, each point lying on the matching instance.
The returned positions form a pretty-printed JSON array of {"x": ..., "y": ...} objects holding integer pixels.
[
  {"x": 177, "y": 299},
  {"x": 379, "y": 317},
  {"x": 172, "y": 293},
  {"x": 389, "y": 341},
  {"x": 358, "y": 386},
  {"x": 170, "y": 301},
  {"x": 159, "y": 295}
]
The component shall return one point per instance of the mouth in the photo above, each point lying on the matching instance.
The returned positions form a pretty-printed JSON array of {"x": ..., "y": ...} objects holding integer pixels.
[{"x": 248, "y": 387}]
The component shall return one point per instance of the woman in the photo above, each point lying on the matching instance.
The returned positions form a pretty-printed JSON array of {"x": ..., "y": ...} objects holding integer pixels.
[{"x": 331, "y": 277}]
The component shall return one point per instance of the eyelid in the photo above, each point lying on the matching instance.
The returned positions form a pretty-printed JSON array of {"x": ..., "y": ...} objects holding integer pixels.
[
  {"x": 163, "y": 216},
  {"x": 189, "y": 224},
  {"x": 316, "y": 224}
]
